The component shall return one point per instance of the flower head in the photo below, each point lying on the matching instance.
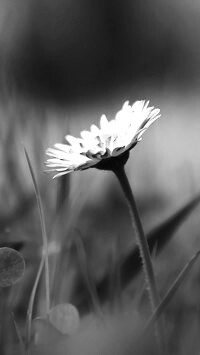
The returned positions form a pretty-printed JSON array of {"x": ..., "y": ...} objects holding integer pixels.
[{"x": 101, "y": 147}]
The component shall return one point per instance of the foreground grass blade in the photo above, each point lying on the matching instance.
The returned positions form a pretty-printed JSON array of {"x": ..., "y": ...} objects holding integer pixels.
[
  {"x": 31, "y": 302},
  {"x": 44, "y": 260},
  {"x": 21, "y": 343},
  {"x": 44, "y": 234},
  {"x": 170, "y": 293}
]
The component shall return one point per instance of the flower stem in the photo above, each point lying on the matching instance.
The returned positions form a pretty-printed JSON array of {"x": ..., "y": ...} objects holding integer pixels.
[{"x": 141, "y": 240}]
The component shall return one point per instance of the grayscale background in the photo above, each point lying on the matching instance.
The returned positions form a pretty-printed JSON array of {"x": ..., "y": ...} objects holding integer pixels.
[{"x": 63, "y": 63}]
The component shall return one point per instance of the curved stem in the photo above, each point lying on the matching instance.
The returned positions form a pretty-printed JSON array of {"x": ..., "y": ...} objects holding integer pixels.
[
  {"x": 142, "y": 244},
  {"x": 140, "y": 237}
]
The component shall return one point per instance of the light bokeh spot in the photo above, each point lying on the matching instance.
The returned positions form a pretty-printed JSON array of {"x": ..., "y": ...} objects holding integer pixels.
[{"x": 65, "y": 318}]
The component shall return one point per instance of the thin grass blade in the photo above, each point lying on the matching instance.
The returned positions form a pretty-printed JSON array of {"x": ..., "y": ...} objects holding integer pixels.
[
  {"x": 31, "y": 302},
  {"x": 172, "y": 290},
  {"x": 43, "y": 228},
  {"x": 44, "y": 260},
  {"x": 21, "y": 342}
]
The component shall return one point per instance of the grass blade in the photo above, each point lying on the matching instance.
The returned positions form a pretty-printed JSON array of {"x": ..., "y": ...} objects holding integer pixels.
[
  {"x": 162, "y": 234},
  {"x": 44, "y": 234},
  {"x": 44, "y": 260},
  {"x": 172, "y": 290},
  {"x": 21, "y": 343},
  {"x": 31, "y": 302}
]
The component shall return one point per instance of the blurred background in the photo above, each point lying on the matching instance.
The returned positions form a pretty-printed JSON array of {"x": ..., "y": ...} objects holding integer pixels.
[
  {"x": 62, "y": 65},
  {"x": 72, "y": 50},
  {"x": 72, "y": 61}
]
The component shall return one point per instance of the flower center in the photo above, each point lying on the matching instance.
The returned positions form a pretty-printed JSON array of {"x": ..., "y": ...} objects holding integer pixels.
[{"x": 112, "y": 163}]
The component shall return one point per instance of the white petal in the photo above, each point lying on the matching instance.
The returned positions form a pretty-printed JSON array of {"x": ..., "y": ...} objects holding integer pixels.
[
  {"x": 95, "y": 130},
  {"x": 124, "y": 118},
  {"x": 75, "y": 142},
  {"x": 140, "y": 133},
  {"x": 125, "y": 105},
  {"x": 56, "y": 153},
  {"x": 138, "y": 105},
  {"x": 61, "y": 174},
  {"x": 64, "y": 147},
  {"x": 149, "y": 123},
  {"x": 103, "y": 122},
  {"x": 86, "y": 135}
]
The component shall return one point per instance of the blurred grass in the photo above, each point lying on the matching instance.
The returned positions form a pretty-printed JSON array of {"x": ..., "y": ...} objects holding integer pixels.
[{"x": 164, "y": 172}]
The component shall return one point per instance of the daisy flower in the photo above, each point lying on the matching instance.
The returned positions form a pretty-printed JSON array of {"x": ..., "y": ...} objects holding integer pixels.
[
  {"x": 108, "y": 148},
  {"x": 105, "y": 146}
]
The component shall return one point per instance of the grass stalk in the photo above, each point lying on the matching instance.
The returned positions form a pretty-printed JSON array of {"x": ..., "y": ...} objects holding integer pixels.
[
  {"x": 21, "y": 343},
  {"x": 172, "y": 290},
  {"x": 44, "y": 260},
  {"x": 31, "y": 303}
]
